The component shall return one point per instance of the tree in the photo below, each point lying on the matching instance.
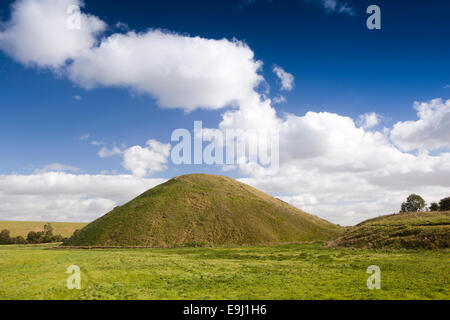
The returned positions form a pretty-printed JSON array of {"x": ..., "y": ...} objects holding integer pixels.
[
  {"x": 48, "y": 230},
  {"x": 5, "y": 237},
  {"x": 48, "y": 233},
  {"x": 444, "y": 204},
  {"x": 414, "y": 203},
  {"x": 434, "y": 207},
  {"x": 19, "y": 240},
  {"x": 33, "y": 237}
]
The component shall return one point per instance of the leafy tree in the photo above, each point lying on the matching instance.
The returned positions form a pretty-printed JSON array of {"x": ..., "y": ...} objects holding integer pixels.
[
  {"x": 5, "y": 237},
  {"x": 434, "y": 207},
  {"x": 32, "y": 237},
  {"x": 48, "y": 229},
  {"x": 444, "y": 204},
  {"x": 19, "y": 240},
  {"x": 414, "y": 203},
  {"x": 48, "y": 233}
]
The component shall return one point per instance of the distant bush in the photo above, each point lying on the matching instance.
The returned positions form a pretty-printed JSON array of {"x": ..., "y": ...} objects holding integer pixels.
[
  {"x": 5, "y": 237},
  {"x": 434, "y": 207},
  {"x": 444, "y": 204},
  {"x": 414, "y": 203}
]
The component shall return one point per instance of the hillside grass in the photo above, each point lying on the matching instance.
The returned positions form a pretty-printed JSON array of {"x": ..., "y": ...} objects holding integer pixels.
[
  {"x": 204, "y": 210},
  {"x": 426, "y": 230},
  {"x": 21, "y": 228},
  {"x": 302, "y": 271}
]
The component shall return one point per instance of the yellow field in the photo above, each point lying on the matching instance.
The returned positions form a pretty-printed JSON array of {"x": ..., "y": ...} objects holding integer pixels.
[{"x": 21, "y": 228}]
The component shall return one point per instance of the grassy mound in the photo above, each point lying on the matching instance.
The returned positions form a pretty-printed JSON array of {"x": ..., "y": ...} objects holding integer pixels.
[
  {"x": 198, "y": 210},
  {"x": 419, "y": 230}
]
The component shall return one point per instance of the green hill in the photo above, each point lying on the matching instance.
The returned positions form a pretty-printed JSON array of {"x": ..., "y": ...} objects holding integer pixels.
[
  {"x": 203, "y": 210},
  {"x": 425, "y": 230}
]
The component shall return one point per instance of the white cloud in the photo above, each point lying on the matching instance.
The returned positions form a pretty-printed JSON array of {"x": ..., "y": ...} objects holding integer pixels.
[
  {"x": 97, "y": 143},
  {"x": 346, "y": 9},
  {"x": 145, "y": 161},
  {"x": 77, "y": 97},
  {"x": 85, "y": 136},
  {"x": 430, "y": 132},
  {"x": 56, "y": 167},
  {"x": 287, "y": 79},
  {"x": 279, "y": 99},
  {"x": 447, "y": 86},
  {"x": 369, "y": 120},
  {"x": 336, "y": 6},
  {"x": 38, "y": 33},
  {"x": 179, "y": 71},
  {"x": 58, "y": 196},
  {"x": 353, "y": 174},
  {"x": 105, "y": 152},
  {"x": 122, "y": 26}
]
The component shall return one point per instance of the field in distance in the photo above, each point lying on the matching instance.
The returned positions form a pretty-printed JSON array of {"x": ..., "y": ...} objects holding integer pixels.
[
  {"x": 300, "y": 271},
  {"x": 21, "y": 228}
]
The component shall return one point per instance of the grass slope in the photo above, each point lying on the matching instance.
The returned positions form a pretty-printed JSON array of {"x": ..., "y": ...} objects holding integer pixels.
[
  {"x": 203, "y": 210},
  {"x": 427, "y": 230},
  {"x": 305, "y": 271},
  {"x": 21, "y": 228}
]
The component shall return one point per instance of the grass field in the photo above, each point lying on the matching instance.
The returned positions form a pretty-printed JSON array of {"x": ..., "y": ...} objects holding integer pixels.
[
  {"x": 302, "y": 271},
  {"x": 21, "y": 228}
]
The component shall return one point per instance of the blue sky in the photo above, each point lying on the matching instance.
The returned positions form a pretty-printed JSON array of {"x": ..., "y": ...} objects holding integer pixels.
[{"x": 340, "y": 67}]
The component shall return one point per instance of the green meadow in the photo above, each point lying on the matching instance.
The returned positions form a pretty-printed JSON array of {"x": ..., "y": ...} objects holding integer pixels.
[{"x": 298, "y": 271}]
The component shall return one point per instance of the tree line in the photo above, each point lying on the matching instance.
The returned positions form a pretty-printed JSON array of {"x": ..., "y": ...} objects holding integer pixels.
[
  {"x": 33, "y": 237},
  {"x": 415, "y": 203}
]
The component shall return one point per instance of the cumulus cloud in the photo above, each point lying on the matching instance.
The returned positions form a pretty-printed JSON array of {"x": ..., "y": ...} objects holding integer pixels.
[
  {"x": 177, "y": 70},
  {"x": 145, "y": 161},
  {"x": 287, "y": 79},
  {"x": 431, "y": 131},
  {"x": 58, "y": 196},
  {"x": 369, "y": 120},
  {"x": 338, "y": 170},
  {"x": 38, "y": 33}
]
